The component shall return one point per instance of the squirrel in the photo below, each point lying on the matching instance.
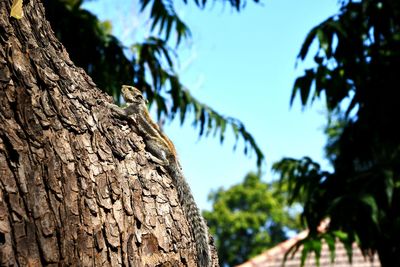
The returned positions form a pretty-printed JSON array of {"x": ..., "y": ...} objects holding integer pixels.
[{"x": 162, "y": 148}]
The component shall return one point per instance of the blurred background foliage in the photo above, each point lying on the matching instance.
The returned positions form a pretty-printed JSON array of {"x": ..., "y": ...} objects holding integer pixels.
[
  {"x": 150, "y": 66},
  {"x": 356, "y": 70},
  {"x": 248, "y": 218}
]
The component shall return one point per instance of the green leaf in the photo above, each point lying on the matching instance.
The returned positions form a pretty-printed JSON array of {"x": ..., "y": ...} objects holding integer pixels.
[
  {"x": 369, "y": 201},
  {"x": 331, "y": 242}
]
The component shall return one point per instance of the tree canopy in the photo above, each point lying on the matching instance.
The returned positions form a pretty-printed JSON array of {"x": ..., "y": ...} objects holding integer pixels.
[
  {"x": 356, "y": 70},
  {"x": 150, "y": 66},
  {"x": 247, "y": 218}
]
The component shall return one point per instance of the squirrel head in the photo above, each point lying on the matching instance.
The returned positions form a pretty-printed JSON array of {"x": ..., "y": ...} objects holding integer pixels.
[{"x": 133, "y": 95}]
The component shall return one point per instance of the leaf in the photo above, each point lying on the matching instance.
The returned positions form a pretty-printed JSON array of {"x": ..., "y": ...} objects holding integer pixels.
[
  {"x": 303, "y": 84},
  {"x": 304, "y": 253},
  {"x": 236, "y": 133},
  {"x": 331, "y": 242},
  {"x": 341, "y": 235},
  {"x": 164, "y": 16},
  {"x": 222, "y": 131},
  {"x": 389, "y": 185},
  {"x": 210, "y": 124},
  {"x": 351, "y": 106},
  {"x": 369, "y": 201},
  {"x": 306, "y": 45},
  {"x": 144, "y": 3},
  {"x": 16, "y": 9},
  {"x": 202, "y": 120}
]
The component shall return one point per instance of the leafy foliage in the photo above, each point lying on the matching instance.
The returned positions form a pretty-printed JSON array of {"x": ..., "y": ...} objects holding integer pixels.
[
  {"x": 151, "y": 54},
  {"x": 90, "y": 45},
  {"x": 151, "y": 68},
  {"x": 248, "y": 218},
  {"x": 164, "y": 16},
  {"x": 356, "y": 68}
]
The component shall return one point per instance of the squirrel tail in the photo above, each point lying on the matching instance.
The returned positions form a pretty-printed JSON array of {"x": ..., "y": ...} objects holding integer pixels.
[{"x": 196, "y": 222}]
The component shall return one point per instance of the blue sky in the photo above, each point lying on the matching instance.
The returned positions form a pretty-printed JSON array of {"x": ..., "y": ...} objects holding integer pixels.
[{"x": 242, "y": 65}]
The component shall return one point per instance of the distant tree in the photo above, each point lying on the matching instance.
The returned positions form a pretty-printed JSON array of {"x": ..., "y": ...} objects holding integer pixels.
[
  {"x": 356, "y": 70},
  {"x": 248, "y": 218},
  {"x": 150, "y": 66}
]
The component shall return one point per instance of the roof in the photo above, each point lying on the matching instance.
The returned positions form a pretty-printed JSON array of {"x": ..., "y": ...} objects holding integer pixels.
[{"x": 273, "y": 257}]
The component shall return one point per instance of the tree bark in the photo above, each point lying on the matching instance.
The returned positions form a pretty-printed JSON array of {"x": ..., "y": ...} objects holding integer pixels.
[{"x": 76, "y": 185}]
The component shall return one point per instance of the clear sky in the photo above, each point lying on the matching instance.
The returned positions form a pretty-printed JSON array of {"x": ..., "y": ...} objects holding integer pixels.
[{"x": 242, "y": 65}]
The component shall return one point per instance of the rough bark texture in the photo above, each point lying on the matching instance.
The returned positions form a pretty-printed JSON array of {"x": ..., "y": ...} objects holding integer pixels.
[{"x": 76, "y": 185}]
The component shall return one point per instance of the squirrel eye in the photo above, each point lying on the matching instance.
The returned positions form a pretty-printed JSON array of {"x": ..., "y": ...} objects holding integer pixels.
[{"x": 140, "y": 97}]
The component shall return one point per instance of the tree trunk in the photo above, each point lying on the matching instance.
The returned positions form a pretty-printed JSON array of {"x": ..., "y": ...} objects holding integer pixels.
[{"x": 76, "y": 185}]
